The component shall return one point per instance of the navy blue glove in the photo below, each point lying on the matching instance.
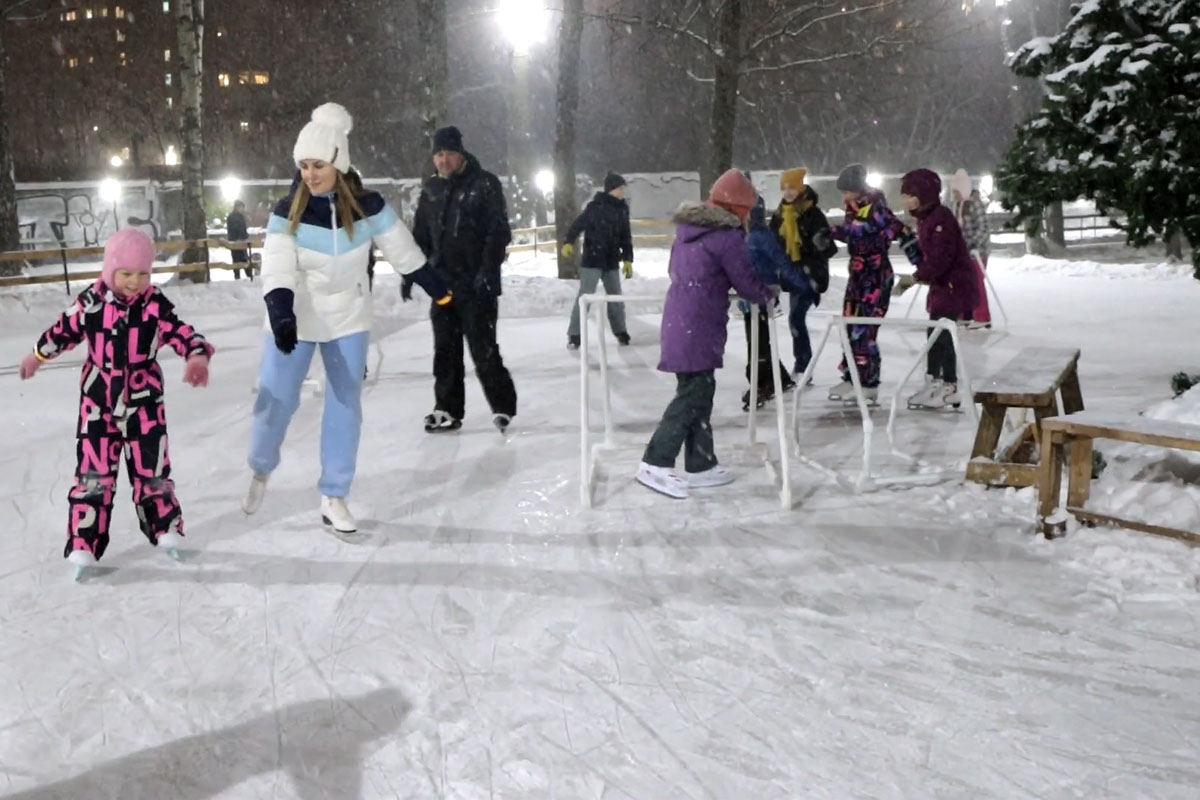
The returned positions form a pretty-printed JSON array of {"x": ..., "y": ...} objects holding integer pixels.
[
  {"x": 758, "y": 214},
  {"x": 911, "y": 247},
  {"x": 406, "y": 284},
  {"x": 282, "y": 318},
  {"x": 427, "y": 278}
]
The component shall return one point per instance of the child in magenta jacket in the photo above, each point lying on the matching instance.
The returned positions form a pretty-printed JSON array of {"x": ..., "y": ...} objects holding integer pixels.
[{"x": 124, "y": 321}]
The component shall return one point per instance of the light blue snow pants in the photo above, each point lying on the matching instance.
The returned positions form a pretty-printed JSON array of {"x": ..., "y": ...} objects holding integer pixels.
[{"x": 280, "y": 377}]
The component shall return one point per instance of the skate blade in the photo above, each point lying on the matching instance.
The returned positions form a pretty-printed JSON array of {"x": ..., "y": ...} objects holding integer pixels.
[{"x": 349, "y": 537}]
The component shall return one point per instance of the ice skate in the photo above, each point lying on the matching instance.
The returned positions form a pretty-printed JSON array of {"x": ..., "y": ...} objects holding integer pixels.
[
  {"x": 170, "y": 542},
  {"x": 441, "y": 422},
  {"x": 83, "y": 561},
  {"x": 663, "y": 480},
  {"x": 254, "y": 495},
  {"x": 335, "y": 514},
  {"x": 714, "y": 476},
  {"x": 502, "y": 421}
]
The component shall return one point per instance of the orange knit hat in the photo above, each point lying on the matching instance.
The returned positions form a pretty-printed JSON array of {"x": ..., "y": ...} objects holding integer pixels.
[{"x": 793, "y": 178}]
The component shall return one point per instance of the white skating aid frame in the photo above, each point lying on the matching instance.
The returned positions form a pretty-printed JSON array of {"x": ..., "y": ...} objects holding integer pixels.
[
  {"x": 987, "y": 280},
  {"x": 588, "y": 452},
  {"x": 865, "y": 480}
]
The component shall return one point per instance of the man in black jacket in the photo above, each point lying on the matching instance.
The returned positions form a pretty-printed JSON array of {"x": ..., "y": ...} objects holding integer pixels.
[
  {"x": 607, "y": 244},
  {"x": 461, "y": 225},
  {"x": 235, "y": 230}
]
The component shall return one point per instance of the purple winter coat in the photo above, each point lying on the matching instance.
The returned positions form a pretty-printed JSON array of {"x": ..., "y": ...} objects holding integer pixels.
[
  {"x": 708, "y": 258},
  {"x": 945, "y": 264}
]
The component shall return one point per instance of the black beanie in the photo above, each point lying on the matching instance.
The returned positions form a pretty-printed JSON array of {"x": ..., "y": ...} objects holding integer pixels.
[
  {"x": 448, "y": 138},
  {"x": 853, "y": 179},
  {"x": 612, "y": 180}
]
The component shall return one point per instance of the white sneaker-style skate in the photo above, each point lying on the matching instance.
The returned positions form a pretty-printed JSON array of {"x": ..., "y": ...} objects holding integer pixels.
[
  {"x": 922, "y": 397},
  {"x": 335, "y": 514},
  {"x": 254, "y": 495},
  {"x": 843, "y": 391},
  {"x": 170, "y": 542},
  {"x": 714, "y": 476},
  {"x": 936, "y": 396},
  {"x": 82, "y": 561},
  {"x": 663, "y": 480}
]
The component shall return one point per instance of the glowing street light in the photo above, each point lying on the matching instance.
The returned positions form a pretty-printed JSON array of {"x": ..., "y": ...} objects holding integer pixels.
[
  {"x": 110, "y": 192},
  {"x": 115, "y": 161},
  {"x": 171, "y": 158},
  {"x": 544, "y": 181},
  {"x": 874, "y": 180},
  {"x": 523, "y": 23},
  {"x": 231, "y": 188},
  {"x": 986, "y": 184}
]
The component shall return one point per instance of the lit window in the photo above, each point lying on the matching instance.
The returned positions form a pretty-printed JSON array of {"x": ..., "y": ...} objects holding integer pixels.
[
  {"x": 119, "y": 12},
  {"x": 167, "y": 54},
  {"x": 262, "y": 78},
  {"x": 168, "y": 76},
  {"x": 72, "y": 62},
  {"x": 104, "y": 11},
  {"x": 166, "y": 6},
  {"x": 70, "y": 16},
  {"x": 243, "y": 78},
  {"x": 122, "y": 59},
  {"x": 87, "y": 13},
  {"x": 120, "y": 36},
  {"x": 170, "y": 102},
  {"x": 91, "y": 59},
  {"x": 245, "y": 126},
  {"x": 223, "y": 79}
]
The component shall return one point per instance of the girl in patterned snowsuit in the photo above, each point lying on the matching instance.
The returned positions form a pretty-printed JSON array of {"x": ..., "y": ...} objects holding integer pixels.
[
  {"x": 868, "y": 230},
  {"x": 124, "y": 321}
]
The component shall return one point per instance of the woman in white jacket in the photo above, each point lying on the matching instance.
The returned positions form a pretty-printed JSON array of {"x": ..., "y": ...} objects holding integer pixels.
[{"x": 314, "y": 276}]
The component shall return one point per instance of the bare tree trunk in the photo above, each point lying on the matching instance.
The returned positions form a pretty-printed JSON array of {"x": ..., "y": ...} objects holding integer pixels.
[
  {"x": 723, "y": 114},
  {"x": 570, "y": 35},
  {"x": 1175, "y": 245},
  {"x": 1055, "y": 226},
  {"x": 191, "y": 75},
  {"x": 10, "y": 233},
  {"x": 431, "y": 77}
]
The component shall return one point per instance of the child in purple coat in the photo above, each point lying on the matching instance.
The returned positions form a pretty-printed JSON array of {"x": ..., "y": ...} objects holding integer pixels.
[
  {"x": 708, "y": 258},
  {"x": 953, "y": 287}
]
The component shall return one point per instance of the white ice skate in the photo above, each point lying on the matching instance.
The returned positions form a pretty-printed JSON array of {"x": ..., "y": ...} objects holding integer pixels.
[
  {"x": 844, "y": 392},
  {"x": 170, "y": 542},
  {"x": 662, "y": 480},
  {"x": 335, "y": 514},
  {"x": 935, "y": 396},
  {"x": 82, "y": 561},
  {"x": 715, "y": 476},
  {"x": 254, "y": 495}
]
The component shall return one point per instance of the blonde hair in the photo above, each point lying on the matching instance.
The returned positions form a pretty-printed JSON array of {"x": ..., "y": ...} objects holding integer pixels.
[{"x": 347, "y": 205}]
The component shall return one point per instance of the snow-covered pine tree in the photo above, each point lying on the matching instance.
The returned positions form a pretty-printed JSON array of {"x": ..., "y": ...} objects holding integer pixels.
[{"x": 1119, "y": 123}]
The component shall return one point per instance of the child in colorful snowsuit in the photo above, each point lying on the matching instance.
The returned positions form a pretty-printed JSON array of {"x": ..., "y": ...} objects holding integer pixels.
[
  {"x": 708, "y": 258},
  {"x": 868, "y": 231},
  {"x": 971, "y": 215},
  {"x": 945, "y": 265},
  {"x": 804, "y": 233},
  {"x": 124, "y": 321}
]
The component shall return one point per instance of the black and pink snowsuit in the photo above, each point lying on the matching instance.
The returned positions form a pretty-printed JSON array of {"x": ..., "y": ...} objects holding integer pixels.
[{"x": 121, "y": 408}]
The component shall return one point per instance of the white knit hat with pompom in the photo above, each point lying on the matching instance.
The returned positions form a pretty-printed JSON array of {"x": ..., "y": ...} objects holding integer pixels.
[{"x": 326, "y": 137}]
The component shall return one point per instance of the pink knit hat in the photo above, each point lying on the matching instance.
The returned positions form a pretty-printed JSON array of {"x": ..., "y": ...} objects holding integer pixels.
[{"x": 127, "y": 249}]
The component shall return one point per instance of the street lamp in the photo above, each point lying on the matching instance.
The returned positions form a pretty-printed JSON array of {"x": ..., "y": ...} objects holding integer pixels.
[
  {"x": 523, "y": 23},
  {"x": 544, "y": 181},
  {"x": 231, "y": 188},
  {"x": 115, "y": 161},
  {"x": 874, "y": 180},
  {"x": 986, "y": 184},
  {"x": 110, "y": 192},
  {"x": 171, "y": 158}
]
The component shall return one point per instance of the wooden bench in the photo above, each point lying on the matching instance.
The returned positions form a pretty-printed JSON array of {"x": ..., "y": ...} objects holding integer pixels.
[
  {"x": 1071, "y": 436},
  {"x": 1032, "y": 379}
]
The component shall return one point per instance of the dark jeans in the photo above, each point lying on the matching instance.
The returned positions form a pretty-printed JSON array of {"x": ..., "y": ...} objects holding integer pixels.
[
  {"x": 942, "y": 362},
  {"x": 798, "y": 305},
  {"x": 686, "y": 423},
  {"x": 240, "y": 257},
  {"x": 765, "y": 380},
  {"x": 472, "y": 318}
]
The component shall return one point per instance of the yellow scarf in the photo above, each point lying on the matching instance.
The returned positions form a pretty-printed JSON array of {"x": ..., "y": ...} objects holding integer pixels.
[
  {"x": 789, "y": 226},
  {"x": 789, "y": 229}
]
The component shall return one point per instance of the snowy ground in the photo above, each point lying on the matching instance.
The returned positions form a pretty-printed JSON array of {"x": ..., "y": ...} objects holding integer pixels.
[{"x": 493, "y": 639}]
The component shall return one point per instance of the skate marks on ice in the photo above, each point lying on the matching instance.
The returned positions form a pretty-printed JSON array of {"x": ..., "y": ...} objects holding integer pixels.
[{"x": 321, "y": 745}]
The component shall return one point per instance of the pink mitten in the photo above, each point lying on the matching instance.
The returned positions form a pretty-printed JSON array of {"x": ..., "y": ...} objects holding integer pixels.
[
  {"x": 195, "y": 372},
  {"x": 29, "y": 365}
]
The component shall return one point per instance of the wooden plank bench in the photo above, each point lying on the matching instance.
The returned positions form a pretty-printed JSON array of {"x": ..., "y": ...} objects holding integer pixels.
[
  {"x": 1072, "y": 435},
  {"x": 1032, "y": 379}
]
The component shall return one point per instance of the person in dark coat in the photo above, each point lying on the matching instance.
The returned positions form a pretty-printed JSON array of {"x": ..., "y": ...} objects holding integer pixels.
[
  {"x": 607, "y": 245},
  {"x": 945, "y": 265},
  {"x": 461, "y": 224},
  {"x": 708, "y": 258},
  {"x": 804, "y": 232},
  {"x": 235, "y": 230}
]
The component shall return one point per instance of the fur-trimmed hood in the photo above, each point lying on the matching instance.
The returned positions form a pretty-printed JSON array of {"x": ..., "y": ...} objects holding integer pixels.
[{"x": 697, "y": 219}]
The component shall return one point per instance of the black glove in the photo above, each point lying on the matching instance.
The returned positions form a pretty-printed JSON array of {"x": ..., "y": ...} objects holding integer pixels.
[
  {"x": 406, "y": 285},
  {"x": 282, "y": 318},
  {"x": 911, "y": 247}
]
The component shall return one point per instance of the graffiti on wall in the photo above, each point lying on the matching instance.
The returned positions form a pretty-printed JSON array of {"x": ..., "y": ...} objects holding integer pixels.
[{"x": 78, "y": 217}]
